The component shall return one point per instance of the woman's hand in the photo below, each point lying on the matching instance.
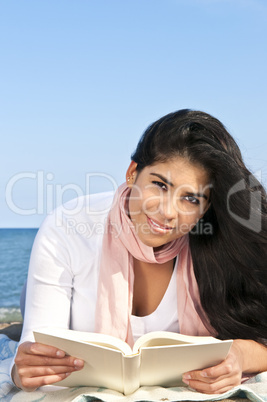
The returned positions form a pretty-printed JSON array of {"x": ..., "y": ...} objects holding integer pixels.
[
  {"x": 37, "y": 365},
  {"x": 220, "y": 378}
]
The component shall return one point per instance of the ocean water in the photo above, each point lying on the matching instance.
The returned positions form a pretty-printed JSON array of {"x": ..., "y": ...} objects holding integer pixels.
[{"x": 15, "y": 250}]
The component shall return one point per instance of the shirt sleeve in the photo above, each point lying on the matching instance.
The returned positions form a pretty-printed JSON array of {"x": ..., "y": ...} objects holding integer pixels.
[
  {"x": 64, "y": 266},
  {"x": 50, "y": 280}
]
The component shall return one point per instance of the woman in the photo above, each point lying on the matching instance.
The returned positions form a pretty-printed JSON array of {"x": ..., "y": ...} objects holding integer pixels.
[{"x": 183, "y": 249}]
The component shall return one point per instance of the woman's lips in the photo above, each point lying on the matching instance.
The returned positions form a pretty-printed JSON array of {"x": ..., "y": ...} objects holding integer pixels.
[{"x": 159, "y": 227}]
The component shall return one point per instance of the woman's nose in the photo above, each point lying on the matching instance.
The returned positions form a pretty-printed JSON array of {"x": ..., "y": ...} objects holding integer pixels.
[{"x": 168, "y": 209}]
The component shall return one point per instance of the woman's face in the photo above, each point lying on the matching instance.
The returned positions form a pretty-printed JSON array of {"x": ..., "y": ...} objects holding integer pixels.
[{"x": 167, "y": 199}]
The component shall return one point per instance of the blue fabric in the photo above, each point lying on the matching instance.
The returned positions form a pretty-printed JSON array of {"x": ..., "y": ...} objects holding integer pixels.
[{"x": 7, "y": 351}]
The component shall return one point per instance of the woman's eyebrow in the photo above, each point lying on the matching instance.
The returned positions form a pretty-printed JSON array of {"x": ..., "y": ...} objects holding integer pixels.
[{"x": 163, "y": 179}]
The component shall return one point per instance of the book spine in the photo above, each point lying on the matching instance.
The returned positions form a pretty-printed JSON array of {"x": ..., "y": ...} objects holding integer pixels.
[{"x": 131, "y": 373}]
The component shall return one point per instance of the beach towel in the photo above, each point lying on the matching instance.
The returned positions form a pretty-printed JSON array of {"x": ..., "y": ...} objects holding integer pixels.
[{"x": 255, "y": 389}]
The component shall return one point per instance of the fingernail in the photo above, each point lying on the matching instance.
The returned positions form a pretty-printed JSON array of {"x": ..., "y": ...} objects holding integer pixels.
[
  {"x": 78, "y": 363},
  {"x": 203, "y": 374},
  {"x": 67, "y": 374},
  {"x": 186, "y": 377},
  {"x": 60, "y": 353},
  {"x": 185, "y": 381}
]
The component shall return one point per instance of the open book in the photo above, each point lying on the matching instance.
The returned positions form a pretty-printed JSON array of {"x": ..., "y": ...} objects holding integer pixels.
[{"x": 157, "y": 358}]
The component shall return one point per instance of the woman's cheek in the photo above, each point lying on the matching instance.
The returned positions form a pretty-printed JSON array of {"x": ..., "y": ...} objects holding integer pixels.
[
  {"x": 151, "y": 203},
  {"x": 188, "y": 220}
]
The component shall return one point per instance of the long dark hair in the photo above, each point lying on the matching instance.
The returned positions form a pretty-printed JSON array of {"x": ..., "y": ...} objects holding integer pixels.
[{"x": 230, "y": 260}]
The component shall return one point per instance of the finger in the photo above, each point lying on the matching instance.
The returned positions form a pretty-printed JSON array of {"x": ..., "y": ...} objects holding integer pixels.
[
  {"x": 217, "y": 387},
  {"x": 35, "y": 348},
  {"x": 29, "y": 360},
  {"x": 210, "y": 374},
  {"x": 223, "y": 369},
  {"x": 30, "y": 384},
  {"x": 37, "y": 354},
  {"x": 41, "y": 371}
]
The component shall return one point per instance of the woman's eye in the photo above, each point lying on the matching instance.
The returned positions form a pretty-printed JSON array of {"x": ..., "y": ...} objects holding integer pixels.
[
  {"x": 160, "y": 184},
  {"x": 191, "y": 199}
]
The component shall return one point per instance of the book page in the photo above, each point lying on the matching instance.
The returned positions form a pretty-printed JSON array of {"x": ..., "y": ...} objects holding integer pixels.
[
  {"x": 164, "y": 338},
  {"x": 102, "y": 340}
]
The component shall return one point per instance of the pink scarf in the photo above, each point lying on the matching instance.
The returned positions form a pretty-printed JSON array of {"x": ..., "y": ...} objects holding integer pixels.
[{"x": 116, "y": 278}]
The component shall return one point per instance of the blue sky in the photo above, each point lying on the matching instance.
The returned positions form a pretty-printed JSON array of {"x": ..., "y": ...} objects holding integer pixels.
[{"x": 81, "y": 80}]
